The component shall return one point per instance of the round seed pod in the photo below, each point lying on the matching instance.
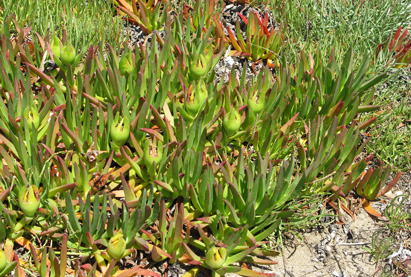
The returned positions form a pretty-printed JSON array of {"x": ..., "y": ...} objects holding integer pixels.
[
  {"x": 120, "y": 130},
  {"x": 232, "y": 122},
  {"x": 215, "y": 257},
  {"x": 29, "y": 200},
  {"x": 68, "y": 54},
  {"x": 126, "y": 65},
  {"x": 116, "y": 246}
]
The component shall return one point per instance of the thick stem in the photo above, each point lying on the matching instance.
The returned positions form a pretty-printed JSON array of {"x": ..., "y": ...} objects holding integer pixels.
[
  {"x": 215, "y": 274},
  {"x": 100, "y": 261},
  {"x": 19, "y": 226}
]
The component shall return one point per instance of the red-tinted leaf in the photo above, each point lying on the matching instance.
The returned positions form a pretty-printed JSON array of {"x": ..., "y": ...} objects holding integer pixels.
[
  {"x": 233, "y": 40},
  {"x": 243, "y": 18},
  {"x": 370, "y": 210},
  {"x": 153, "y": 133},
  {"x": 367, "y": 123},
  {"x": 390, "y": 185},
  {"x": 136, "y": 271}
]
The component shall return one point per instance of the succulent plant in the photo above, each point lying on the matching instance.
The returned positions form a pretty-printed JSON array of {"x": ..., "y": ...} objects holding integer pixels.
[
  {"x": 133, "y": 153},
  {"x": 260, "y": 43},
  {"x": 150, "y": 15},
  {"x": 397, "y": 49}
]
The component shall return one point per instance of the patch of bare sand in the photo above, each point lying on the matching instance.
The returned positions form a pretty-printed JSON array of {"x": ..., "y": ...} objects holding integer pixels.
[{"x": 332, "y": 250}]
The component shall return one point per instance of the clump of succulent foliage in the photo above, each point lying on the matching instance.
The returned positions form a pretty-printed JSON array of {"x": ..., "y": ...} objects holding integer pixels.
[{"x": 105, "y": 156}]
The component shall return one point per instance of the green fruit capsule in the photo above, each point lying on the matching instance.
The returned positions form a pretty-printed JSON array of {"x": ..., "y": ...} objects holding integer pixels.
[
  {"x": 126, "y": 65},
  {"x": 215, "y": 257},
  {"x": 32, "y": 118},
  {"x": 256, "y": 103},
  {"x": 120, "y": 130},
  {"x": 152, "y": 152},
  {"x": 116, "y": 246},
  {"x": 195, "y": 98},
  {"x": 68, "y": 54},
  {"x": 29, "y": 200},
  {"x": 232, "y": 122},
  {"x": 192, "y": 103},
  {"x": 56, "y": 46},
  {"x": 198, "y": 68}
]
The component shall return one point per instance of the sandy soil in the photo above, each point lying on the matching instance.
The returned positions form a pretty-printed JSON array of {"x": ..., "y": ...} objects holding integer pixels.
[{"x": 341, "y": 249}]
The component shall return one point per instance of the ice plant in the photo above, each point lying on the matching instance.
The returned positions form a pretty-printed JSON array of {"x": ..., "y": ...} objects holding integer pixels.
[
  {"x": 29, "y": 200},
  {"x": 203, "y": 10},
  {"x": 237, "y": 193},
  {"x": 120, "y": 130},
  {"x": 397, "y": 48},
  {"x": 116, "y": 246},
  {"x": 260, "y": 43},
  {"x": 149, "y": 15}
]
